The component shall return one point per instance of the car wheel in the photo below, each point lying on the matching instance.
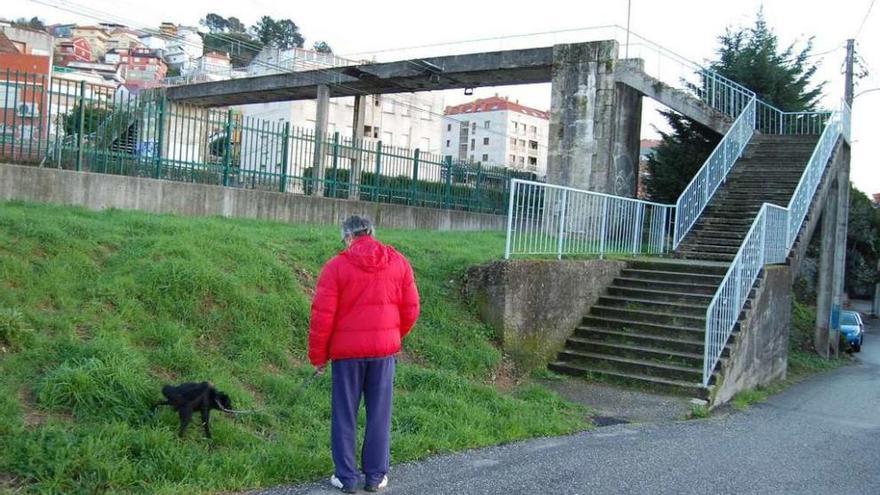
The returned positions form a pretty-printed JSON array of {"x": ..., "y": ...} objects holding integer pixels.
[{"x": 857, "y": 347}]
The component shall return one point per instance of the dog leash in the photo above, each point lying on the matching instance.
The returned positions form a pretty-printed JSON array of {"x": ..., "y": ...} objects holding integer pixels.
[{"x": 299, "y": 390}]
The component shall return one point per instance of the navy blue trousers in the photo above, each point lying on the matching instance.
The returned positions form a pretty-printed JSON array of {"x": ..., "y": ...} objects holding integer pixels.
[{"x": 374, "y": 379}]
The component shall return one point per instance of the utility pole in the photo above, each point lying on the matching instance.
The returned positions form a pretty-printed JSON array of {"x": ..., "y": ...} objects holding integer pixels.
[
  {"x": 850, "y": 56},
  {"x": 629, "y": 5},
  {"x": 839, "y": 277}
]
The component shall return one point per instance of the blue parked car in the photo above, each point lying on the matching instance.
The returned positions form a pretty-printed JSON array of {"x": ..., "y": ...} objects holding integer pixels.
[{"x": 852, "y": 329}]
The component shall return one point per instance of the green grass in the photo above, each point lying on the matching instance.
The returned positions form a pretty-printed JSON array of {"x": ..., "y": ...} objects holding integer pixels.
[
  {"x": 699, "y": 411},
  {"x": 97, "y": 310}
]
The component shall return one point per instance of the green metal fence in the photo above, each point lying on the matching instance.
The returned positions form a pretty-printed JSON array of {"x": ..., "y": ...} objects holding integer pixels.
[{"x": 101, "y": 128}]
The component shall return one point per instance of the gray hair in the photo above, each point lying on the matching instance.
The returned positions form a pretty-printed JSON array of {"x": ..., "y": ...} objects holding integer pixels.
[{"x": 356, "y": 226}]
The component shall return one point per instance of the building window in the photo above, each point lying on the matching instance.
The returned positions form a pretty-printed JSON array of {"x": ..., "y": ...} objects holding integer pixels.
[
  {"x": 473, "y": 142},
  {"x": 513, "y": 141},
  {"x": 486, "y": 124},
  {"x": 533, "y": 130},
  {"x": 449, "y": 127},
  {"x": 522, "y": 160},
  {"x": 533, "y": 161},
  {"x": 473, "y": 127},
  {"x": 512, "y": 160},
  {"x": 522, "y": 143},
  {"x": 472, "y": 158},
  {"x": 486, "y": 141},
  {"x": 533, "y": 145},
  {"x": 485, "y": 158},
  {"x": 447, "y": 143}
]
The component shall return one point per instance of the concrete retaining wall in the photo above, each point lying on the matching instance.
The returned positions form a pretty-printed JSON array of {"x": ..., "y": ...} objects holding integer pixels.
[
  {"x": 759, "y": 353},
  {"x": 100, "y": 191},
  {"x": 535, "y": 305}
]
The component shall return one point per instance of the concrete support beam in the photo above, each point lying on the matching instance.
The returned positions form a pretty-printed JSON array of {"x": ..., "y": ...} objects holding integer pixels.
[
  {"x": 825, "y": 274},
  {"x": 842, "y": 223},
  {"x": 594, "y": 121},
  {"x": 357, "y": 137},
  {"x": 322, "y": 115},
  {"x": 875, "y": 308},
  {"x": 625, "y": 137}
]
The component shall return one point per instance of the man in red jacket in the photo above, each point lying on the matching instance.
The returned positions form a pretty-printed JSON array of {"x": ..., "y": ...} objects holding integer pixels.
[{"x": 366, "y": 302}]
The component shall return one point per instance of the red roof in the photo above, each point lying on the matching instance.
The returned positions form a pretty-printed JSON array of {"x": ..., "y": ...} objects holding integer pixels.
[
  {"x": 7, "y": 46},
  {"x": 495, "y": 103}
]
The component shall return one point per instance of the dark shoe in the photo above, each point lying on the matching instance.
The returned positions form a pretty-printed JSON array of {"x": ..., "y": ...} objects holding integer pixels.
[
  {"x": 337, "y": 483},
  {"x": 375, "y": 488}
]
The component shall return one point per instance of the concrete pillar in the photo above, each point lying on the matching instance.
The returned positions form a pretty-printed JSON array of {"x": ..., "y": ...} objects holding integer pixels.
[
  {"x": 322, "y": 114},
  {"x": 594, "y": 122},
  {"x": 824, "y": 294},
  {"x": 842, "y": 223},
  {"x": 357, "y": 139},
  {"x": 625, "y": 138}
]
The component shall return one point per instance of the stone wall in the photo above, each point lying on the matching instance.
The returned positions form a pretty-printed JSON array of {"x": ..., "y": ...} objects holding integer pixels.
[
  {"x": 535, "y": 305},
  {"x": 101, "y": 191}
]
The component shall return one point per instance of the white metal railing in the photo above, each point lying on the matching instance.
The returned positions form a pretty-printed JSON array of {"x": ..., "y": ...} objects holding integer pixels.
[
  {"x": 771, "y": 120},
  {"x": 699, "y": 191},
  {"x": 769, "y": 240},
  {"x": 545, "y": 219}
]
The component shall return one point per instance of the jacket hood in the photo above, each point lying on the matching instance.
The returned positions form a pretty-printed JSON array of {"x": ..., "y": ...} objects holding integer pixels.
[{"x": 368, "y": 254}]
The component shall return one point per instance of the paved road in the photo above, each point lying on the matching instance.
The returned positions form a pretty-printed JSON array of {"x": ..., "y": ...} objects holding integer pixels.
[{"x": 821, "y": 436}]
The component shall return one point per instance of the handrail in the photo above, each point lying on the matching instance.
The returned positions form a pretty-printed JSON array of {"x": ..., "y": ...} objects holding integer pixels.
[
  {"x": 696, "y": 196},
  {"x": 544, "y": 219},
  {"x": 769, "y": 240}
]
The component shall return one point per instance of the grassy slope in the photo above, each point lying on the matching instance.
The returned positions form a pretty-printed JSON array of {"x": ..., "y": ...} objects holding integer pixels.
[{"x": 120, "y": 302}]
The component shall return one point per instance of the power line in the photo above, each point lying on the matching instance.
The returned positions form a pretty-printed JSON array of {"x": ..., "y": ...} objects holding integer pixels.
[
  {"x": 100, "y": 15},
  {"x": 864, "y": 19}
]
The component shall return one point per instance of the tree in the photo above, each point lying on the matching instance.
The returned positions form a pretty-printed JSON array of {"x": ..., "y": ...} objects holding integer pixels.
[
  {"x": 94, "y": 117},
  {"x": 322, "y": 47},
  {"x": 283, "y": 34},
  {"x": 862, "y": 245},
  {"x": 215, "y": 23},
  {"x": 234, "y": 25},
  {"x": 33, "y": 23},
  {"x": 751, "y": 57},
  {"x": 241, "y": 47}
]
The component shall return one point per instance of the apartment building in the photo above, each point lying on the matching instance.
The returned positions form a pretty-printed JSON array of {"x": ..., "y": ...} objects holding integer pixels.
[{"x": 497, "y": 131}]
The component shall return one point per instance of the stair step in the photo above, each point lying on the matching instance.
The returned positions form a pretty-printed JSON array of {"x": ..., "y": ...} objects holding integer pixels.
[
  {"x": 635, "y": 351},
  {"x": 655, "y": 384},
  {"x": 651, "y": 305},
  {"x": 632, "y": 365},
  {"x": 647, "y": 327},
  {"x": 663, "y": 275},
  {"x": 677, "y": 266},
  {"x": 693, "y": 345},
  {"x": 640, "y": 283},
  {"x": 707, "y": 256},
  {"x": 709, "y": 248},
  {"x": 659, "y": 295}
]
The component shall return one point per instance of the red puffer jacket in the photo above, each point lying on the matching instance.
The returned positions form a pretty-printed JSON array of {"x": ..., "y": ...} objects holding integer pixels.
[{"x": 366, "y": 302}]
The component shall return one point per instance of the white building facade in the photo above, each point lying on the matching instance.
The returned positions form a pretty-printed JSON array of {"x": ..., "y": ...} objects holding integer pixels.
[
  {"x": 407, "y": 120},
  {"x": 499, "y": 132}
]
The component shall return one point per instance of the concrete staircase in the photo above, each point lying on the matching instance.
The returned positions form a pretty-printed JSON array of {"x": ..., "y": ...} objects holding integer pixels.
[
  {"x": 768, "y": 172},
  {"x": 647, "y": 330}
]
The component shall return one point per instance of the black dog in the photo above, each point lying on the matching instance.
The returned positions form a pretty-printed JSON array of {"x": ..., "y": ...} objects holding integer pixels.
[{"x": 189, "y": 397}]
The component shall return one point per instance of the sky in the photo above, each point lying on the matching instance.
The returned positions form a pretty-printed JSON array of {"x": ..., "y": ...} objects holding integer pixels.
[{"x": 690, "y": 28}]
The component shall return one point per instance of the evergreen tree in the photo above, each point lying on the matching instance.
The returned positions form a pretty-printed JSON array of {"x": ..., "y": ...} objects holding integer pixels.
[{"x": 750, "y": 56}]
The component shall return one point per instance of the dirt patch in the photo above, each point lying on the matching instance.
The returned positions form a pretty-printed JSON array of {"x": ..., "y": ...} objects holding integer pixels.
[
  {"x": 505, "y": 377},
  {"x": 306, "y": 279},
  {"x": 408, "y": 357},
  {"x": 10, "y": 484}
]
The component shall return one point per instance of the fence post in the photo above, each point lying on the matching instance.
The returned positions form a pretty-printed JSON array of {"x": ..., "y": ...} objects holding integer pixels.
[
  {"x": 413, "y": 189},
  {"x": 604, "y": 227},
  {"x": 160, "y": 115},
  {"x": 6, "y": 109},
  {"x": 477, "y": 190},
  {"x": 335, "y": 162},
  {"x": 510, "y": 204},
  {"x": 447, "y": 187},
  {"x": 285, "y": 157},
  {"x": 80, "y": 125},
  {"x": 560, "y": 238},
  {"x": 637, "y": 230},
  {"x": 227, "y": 152},
  {"x": 378, "y": 172}
]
